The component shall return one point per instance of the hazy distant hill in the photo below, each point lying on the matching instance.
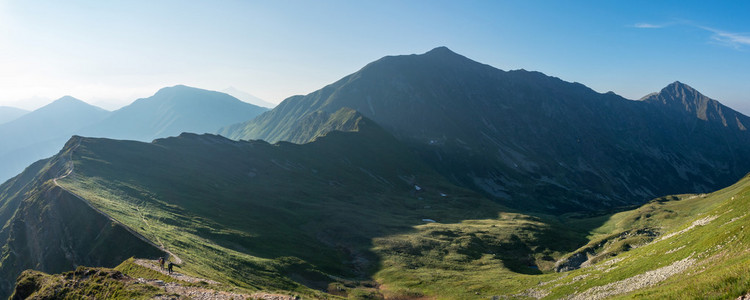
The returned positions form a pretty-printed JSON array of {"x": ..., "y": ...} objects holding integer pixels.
[
  {"x": 530, "y": 140},
  {"x": 41, "y": 133},
  {"x": 171, "y": 111},
  {"x": 247, "y": 97},
  {"x": 8, "y": 114}
]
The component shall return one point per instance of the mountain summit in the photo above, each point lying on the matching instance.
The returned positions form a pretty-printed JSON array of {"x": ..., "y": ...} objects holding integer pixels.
[
  {"x": 527, "y": 139},
  {"x": 41, "y": 133},
  {"x": 681, "y": 97},
  {"x": 171, "y": 111}
]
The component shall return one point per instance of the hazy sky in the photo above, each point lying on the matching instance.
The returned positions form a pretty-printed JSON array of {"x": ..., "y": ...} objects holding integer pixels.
[{"x": 112, "y": 52}]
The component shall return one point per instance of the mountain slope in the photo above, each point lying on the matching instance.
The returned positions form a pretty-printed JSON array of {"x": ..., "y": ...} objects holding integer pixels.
[
  {"x": 351, "y": 211},
  {"x": 281, "y": 216},
  {"x": 46, "y": 228},
  {"x": 171, "y": 111},
  {"x": 523, "y": 138},
  {"x": 41, "y": 133},
  {"x": 8, "y": 114}
]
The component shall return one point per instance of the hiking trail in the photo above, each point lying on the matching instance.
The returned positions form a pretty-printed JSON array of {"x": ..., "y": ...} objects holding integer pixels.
[{"x": 194, "y": 292}]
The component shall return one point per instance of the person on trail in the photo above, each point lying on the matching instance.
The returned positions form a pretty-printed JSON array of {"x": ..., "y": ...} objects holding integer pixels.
[
  {"x": 161, "y": 262},
  {"x": 169, "y": 267}
]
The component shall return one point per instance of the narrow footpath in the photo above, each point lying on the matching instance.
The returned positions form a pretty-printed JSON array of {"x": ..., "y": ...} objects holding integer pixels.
[{"x": 200, "y": 293}]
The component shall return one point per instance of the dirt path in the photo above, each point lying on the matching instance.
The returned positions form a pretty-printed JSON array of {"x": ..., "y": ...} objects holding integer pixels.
[
  {"x": 193, "y": 292},
  {"x": 636, "y": 282},
  {"x": 153, "y": 265}
]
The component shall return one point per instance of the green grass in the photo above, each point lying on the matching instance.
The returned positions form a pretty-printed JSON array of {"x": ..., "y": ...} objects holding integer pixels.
[
  {"x": 83, "y": 283},
  {"x": 326, "y": 216},
  {"x": 273, "y": 217}
]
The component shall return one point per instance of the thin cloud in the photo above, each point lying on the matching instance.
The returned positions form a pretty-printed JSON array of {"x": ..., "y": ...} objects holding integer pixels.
[
  {"x": 731, "y": 39},
  {"x": 647, "y": 25},
  {"x": 725, "y": 38}
]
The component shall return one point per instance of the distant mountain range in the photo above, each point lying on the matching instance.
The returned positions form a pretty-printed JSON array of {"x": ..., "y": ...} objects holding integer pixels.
[
  {"x": 527, "y": 139},
  {"x": 395, "y": 182},
  {"x": 8, "y": 114},
  {"x": 169, "y": 112}
]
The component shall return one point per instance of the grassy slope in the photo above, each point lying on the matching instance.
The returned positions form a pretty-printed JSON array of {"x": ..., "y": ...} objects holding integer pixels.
[
  {"x": 83, "y": 283},
  {"x": 466, "y": 259},
  {"x": 92, "y": 283},
  {"x": 269, "y": 216},
  {"x": 231, "y": 225},
  {"x": 719, "y": 247},
  {"x": 263, "y": 216}
]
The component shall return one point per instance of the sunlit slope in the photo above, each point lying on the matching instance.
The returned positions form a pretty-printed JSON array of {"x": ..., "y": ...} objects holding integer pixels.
[
  {"x": 678, "y": 247},
  {"x": 699, "y": 250}
]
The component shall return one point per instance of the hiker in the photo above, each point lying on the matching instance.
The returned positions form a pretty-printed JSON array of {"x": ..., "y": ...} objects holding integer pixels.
[
  {"x": 161, "y": 262},
  {"x": 169, "y": 267}
]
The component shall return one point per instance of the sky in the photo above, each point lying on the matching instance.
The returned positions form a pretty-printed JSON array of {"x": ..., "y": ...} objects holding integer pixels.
[{"x": 110, "y": 53}]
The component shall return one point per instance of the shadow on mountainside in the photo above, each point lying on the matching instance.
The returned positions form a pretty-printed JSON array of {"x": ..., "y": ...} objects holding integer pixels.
[{"x": 331, "y": 215}]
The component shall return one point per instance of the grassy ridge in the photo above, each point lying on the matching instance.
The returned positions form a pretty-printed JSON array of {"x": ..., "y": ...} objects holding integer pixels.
[
  {"x": 343, "y": 215},
  {"x": 263, "y": 216}
]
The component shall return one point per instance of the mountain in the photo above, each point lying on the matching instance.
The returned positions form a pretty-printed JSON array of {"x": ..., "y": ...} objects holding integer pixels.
[
  {"x": 8, "y": 113},
  {"x": 171, "y": 111},
  {"x": 526, "y": 139},
  {"x": 47, "y": 228},
  {"x": 277, "y": 216},
  {"x": 41, "y": 133},
  {"x": 355, "y": 215},
  {"x": 682, "y": 98},
  {"x": 244, "y": 96}
]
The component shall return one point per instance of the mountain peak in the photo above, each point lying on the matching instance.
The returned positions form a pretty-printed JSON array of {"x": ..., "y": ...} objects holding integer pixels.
[
  {"x": 67, "y": 99},
  {"x": 442, "y": 50},
  {"x": 677, "y": 93},
  {"x": 679, "y": 88},
  {"x": 68, "y": 102},
  {"x": 680, "y": 96},
  {"x": 176, "y": 88}
]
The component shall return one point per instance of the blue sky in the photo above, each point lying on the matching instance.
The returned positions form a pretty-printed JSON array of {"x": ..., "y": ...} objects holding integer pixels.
[{"x": 111, "y": 52}]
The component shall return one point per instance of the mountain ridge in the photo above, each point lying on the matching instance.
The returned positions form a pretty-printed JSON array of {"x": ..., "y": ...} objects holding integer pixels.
[{"x": 566, "y": 146}]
